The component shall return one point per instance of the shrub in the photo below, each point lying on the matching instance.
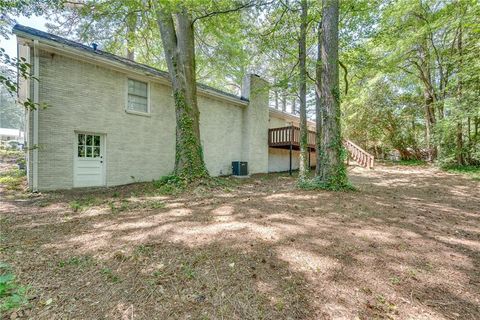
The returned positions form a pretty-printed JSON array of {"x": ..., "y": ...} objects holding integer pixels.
[{"x": 12, "y": 295}]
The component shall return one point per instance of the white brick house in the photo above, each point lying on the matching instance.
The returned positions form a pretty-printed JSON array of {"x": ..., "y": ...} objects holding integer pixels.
[{"x": 111, "y": 121}]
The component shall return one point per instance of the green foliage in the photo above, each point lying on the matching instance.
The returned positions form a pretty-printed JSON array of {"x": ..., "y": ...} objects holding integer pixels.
[
  {"x": 171, "y": 184},
  {"x": 13, "y": 179},
  {"x": 470, "y": 171},
  {"x": 12, "y": 295},
  {"x": 317, "y": 184},
  {"x": 189, "y": 164},
  {"x": 12, "y": 68},
  {"x": 381, "y": 117},
  {"x": 392, "y": 76},
  {"x": 411, "y": 163},
  {"x": 79, "y": 262},
  {"x": 188, "y": 271},
  {"x": 120, "y": 206},
  {"x": 110, "y": 275},
  {"x": 11, "y": 114},
  {"x": 83, "y": 204}
]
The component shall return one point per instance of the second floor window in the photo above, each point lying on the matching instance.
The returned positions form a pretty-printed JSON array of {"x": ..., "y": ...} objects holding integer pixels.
[{"x": 137, "y": 96}]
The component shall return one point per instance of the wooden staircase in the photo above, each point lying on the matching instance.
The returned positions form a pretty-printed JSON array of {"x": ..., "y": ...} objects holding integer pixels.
[
  {"x": 361, "y": 156},
  {"x": 289, "y": 138}
]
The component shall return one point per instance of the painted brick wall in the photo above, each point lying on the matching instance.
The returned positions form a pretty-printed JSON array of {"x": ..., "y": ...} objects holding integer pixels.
[{"x": 84, "y": 97}]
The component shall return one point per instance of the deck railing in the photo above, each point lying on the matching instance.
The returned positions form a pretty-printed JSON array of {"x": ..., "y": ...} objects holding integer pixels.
[{"x": 290, "y": 135}]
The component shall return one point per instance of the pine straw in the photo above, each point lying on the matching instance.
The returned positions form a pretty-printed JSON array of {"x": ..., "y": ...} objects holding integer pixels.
[{"x": 406, "y": 245}]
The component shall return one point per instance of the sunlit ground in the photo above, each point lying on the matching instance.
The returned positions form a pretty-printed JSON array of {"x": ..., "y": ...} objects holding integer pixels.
[{"x": 406, "y": 245}]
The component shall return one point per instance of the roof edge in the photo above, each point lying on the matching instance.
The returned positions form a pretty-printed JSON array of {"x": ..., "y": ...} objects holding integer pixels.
[
  {"x": 84, "y": 50},
  {"x": 288, "y": 115}
]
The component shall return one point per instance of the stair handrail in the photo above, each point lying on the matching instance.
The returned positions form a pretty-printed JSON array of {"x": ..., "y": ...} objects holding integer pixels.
[{"x": 364, "y": 158}]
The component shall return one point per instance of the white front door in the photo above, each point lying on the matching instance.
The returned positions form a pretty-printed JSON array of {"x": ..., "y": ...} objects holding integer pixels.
[{"x": 89, "y": 164}]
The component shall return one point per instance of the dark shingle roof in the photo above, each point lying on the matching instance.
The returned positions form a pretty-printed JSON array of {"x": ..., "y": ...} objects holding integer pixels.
[{"x": 106, "y": 55}]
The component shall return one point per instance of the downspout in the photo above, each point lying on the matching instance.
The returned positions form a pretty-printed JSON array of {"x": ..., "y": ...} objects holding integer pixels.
[{"x": 36, "y": 71}]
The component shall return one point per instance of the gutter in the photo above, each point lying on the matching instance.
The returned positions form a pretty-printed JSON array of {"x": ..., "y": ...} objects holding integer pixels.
[{"x": 36, "y": 72}]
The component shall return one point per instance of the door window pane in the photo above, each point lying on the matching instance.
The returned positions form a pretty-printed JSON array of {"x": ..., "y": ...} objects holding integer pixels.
[
  {"x": 96, "y": 152},
  {"x": 81, "y": 139},
  {"x": 96, "y": 141},
  {"x": 89, "y": 140},
  {"x": 81, "y": 151},
  {"x": 89, "y": 152}
]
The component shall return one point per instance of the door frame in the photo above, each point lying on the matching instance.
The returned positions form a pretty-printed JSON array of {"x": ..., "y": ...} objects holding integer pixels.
[{"x": 103, "y": 155}]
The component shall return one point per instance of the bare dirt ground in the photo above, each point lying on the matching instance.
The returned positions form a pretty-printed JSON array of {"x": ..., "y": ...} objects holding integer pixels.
[{"x": 406, "y": 245}]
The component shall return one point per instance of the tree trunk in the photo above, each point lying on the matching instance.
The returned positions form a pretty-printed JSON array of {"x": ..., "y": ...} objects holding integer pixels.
[
  {"x": 476, "y": 122},
  {"x": 459, "y": 136},
  {"x": 429, "y": 97},
  {"x": 318, "y": 101},
  {"x": 459, "y": 146},
  {"x": 294, "y": 105},
  {"x": 284, "y": 102},
  {"x": 332, "y": 171},
  {"x": 429, "y": 125},
  {"x": 276, "y": 99},
  {"x": 302, "y": 52},
  {"x": 178, "y": 44}
]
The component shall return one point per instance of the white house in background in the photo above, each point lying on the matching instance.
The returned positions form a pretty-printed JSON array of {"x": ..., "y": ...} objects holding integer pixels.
[
  {"x": 11, "y": 134},
  {"x": 111, "y": 121}
]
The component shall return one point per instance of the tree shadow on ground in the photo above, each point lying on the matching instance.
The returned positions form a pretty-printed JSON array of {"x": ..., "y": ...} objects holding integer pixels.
[{"x": 406, "y": 245}]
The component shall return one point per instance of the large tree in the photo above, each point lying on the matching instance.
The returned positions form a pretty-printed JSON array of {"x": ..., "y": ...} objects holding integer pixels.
[
  {"x": 176, "y": 29},
  {"x": 302, "y": 57},
  {"x": 331, "y": 171}
]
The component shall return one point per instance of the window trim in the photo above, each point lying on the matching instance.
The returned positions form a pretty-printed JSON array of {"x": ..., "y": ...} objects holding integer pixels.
[{"x": 139, "y": 113}]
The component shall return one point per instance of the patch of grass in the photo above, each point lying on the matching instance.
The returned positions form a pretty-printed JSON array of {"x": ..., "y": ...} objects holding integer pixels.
[
  {"x": 110, "y": 275},
  {"x": 81, "y": 261},
  {"x": 121, "y": 206},
  {"x": 13, "y": 179},
  {"x": 155, "y": 204},
  {"x": 188, "y": 271},
  {"x": 12, "y": 295},
  {"x": 144, "y": 250},
  {"x": 411, "y": 163},
  {"x": 395, "y": 280},
  {"x": 470, "y": 171},
  {"x": 158, "y": 273},
  {"x": 83, "y": 204}
]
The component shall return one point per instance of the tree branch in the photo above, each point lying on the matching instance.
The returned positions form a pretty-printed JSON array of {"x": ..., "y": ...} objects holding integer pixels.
[
  {"x": 345, "y": 75},
  {"x": 224, "y": 11}
]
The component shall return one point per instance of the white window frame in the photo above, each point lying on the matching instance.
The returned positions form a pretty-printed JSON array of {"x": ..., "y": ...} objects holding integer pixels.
[{"x": 147, "y": 114}]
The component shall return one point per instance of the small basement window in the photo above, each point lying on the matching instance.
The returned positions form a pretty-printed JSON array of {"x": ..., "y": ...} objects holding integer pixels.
[{"x": 137, "y": 100}]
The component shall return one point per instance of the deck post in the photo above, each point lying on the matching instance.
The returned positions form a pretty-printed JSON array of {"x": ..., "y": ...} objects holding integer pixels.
[
  {"x": 309, "y": 165},
  {"x": 291, "y": 147},
  {"x": 290, "y": 167}
]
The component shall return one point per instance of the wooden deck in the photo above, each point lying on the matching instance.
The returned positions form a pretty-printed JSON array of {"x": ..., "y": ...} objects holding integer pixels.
[
  {"x": 286, "y": 137},
  {"x": 289, "y": 138}
]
